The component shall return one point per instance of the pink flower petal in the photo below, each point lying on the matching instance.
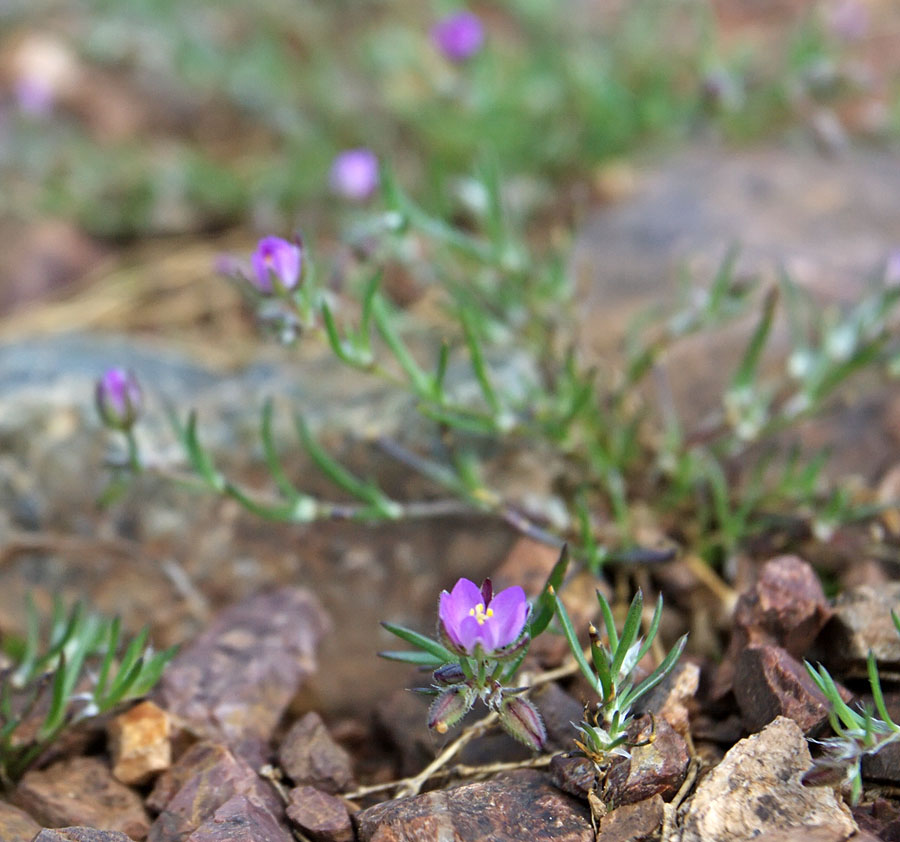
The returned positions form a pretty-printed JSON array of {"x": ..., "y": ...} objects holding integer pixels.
[{"x": 510, "y": 612}]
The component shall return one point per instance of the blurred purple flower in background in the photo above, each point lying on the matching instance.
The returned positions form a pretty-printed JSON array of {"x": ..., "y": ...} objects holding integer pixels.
[
  {"x": 354, "y": 174},
  {"x": 279, "y": 258},
  {"x": 848, "y": 19},
  {"x": 118, "y": 397},
  {"x": 471, "y": 615},
  {"x": 458, "y": 36},
  {"x": 34, "y": 96}
]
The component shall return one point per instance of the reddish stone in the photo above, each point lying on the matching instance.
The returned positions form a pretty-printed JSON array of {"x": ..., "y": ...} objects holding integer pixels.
[
  {"x": 202, "y": 780},
  {"x": 234, "y": 683},
  {"x": 16, "y": 825},
  {"x": 309, "y": 755},
  {"x": 508, "y": 808},
  {"x": 786, "y": 607},
  {"x": 241, "y": 820},
  {"x": 320, "y": 816},
  {"x": 657, "y": 768},
  {"x": 768, "y": 682},
  {"x": 632, "y": 821},
  {"x": 82, "y": 792}
]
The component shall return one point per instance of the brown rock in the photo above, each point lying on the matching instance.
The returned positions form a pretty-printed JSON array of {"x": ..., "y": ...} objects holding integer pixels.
[
  {"x": 16, "y": 825},
  {"x": 241, "y": 820},
  {"x": 632, "y": 821},
  {"x": 574, "y": 775},
  {"x": 139, "y": 743},
  {"x": 669, "y": 699},
  {"x": 235, "y": 681},
  {"x": 757, "y": 789},
  {"x": 883, "y": 765},
  {"x": 657, "y": 768},
  {"x": 786, "y": 607},
  {"x": 309, "y": 755},
  {"x": 516, "y": 806},
  {"x": 768, "y": 682},
  {"x": 812, "y": 833},
  {"x": 202, "y": 780},
  {"x": 862, "y": 622},
  {"x": 79, "y": 834},
  {"x": 880, "y": 818},
  {"x": 320, "y": 816},
  {"x": 82, "y": 791}
]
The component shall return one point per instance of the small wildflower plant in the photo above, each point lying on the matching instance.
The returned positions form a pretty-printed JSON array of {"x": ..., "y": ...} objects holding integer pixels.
[
  {"x": 612, "y": 672},
  {"x": 859, "y": 733},
  {"x": 483, "y": 638},
  {"x": 80, "y": 668}
]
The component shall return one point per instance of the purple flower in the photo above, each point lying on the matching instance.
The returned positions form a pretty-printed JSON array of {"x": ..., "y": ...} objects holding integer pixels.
[
  {"x": 354, "y": 174},
  {"x": 274, "y": 256},
  {"x": 458, "y": 36},
  {"x": 118, "y": 398},
  {"x": 470, "y": 615}
]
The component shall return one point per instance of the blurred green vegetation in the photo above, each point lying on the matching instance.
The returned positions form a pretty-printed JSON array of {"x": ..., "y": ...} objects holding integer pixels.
[{"x": 246, "y": 104}]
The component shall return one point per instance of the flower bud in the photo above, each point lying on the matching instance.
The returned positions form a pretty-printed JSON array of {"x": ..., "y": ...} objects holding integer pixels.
[
  {"x": 521, "y": 720},
  {"x": 449, "y": 674},
  {"x": 449, "y": 708},
  {"x": 276, "y": 260},
  {"x": 118, "y": 398},
  {"x": 354, "y": 174}
]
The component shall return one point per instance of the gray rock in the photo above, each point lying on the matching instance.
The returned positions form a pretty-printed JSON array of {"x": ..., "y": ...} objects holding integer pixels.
[
  {"x": 79, "y": 834},
  {"x": 757, "y": 789}
]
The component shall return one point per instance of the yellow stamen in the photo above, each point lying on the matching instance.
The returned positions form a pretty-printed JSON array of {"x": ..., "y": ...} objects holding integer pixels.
[{"x": 480, "y": 614}]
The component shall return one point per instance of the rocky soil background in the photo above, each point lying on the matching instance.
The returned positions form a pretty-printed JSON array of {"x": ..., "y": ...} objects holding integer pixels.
[{"x": 276, "y": 719}]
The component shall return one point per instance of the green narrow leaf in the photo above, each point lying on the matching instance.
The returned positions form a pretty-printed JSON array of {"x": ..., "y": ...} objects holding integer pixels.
[
  {"x": 421, "y": 642},
  {"x": 746, "y": 372},
  {"x": 877, "y": 695},
  {"x": 130, "y": 657},
  {"x": 199, "y": 458},
  {"x": 270, "y": 453},
  {"x": 651, "y": 632},
  {"x": 152, "y": 671},
  {"x": 658, "y": 674},
  {"x": 423, "y": 659},
  {"x": 58, "y": 698},
  {"x": 477, "y": 357},
  {"x": 338, "y": 473},
  {"x": 722, "y": 283},
  {"x": 629, "y": 632},
  {"x": 419, "y": 380},
  {"x": 334, "y": 337},
  {"x": 441, "y": 373},
  {"x": 545, "y": 604},
  {"x": 368, "y": 298},
  {"x": 574, "y": 645},
  {"x": 604, "y": 674},
  {"x": 112, "y": 646},
  {"x": 609, "y": 621}
]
